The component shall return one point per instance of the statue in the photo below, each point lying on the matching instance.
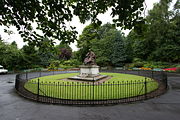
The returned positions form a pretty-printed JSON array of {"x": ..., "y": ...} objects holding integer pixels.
[
  {"x": 89, "y": 71},
  {"x": 90, "y": 58}
]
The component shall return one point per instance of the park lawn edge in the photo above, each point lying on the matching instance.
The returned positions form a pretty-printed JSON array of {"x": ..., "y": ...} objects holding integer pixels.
[{"x": 135, "y": 87}]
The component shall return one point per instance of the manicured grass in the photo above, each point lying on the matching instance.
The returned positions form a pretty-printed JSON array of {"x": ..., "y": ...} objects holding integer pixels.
[{"x": 119, "y": 86}]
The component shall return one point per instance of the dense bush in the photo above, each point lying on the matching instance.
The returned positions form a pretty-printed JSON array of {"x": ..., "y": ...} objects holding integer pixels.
[
  {"x": 151, "y": 64},
  {"x": 54, "y": 64},
  {"x": 178, "y": 68},
  {"x": 136, "y": 64},
  {"x": 57, "y": 64},
  {"x": 158, "y": 65}
]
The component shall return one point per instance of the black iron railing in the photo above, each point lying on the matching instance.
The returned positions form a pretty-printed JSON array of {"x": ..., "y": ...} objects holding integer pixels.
[{"x": 32, "y": 86}]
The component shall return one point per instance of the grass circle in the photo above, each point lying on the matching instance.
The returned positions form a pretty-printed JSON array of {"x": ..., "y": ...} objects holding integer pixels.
[{"x": 117, "y": 87}]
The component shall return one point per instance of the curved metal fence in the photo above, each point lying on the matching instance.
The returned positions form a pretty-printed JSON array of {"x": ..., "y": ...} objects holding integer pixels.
[{"x": 30, "y": 85}]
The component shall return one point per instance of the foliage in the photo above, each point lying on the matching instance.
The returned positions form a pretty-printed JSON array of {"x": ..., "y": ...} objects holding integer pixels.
[
  {"x": 45, "y": 51},
  {"x": 10, "y": 56},
  {"x": 136, "y": 64},
  {"x": 54, "y": 64},
  {"x": 154, "y": 44},
  {"x": 151, "y": 64},
  {"x": 119, "y": 53},
  {"x": 57, "y": 64},
  {"x": 27, "y": 57},
  {"x": 51, "y": 16},
  {"x": 84, "y": 42},
  {"x": 157, "y": 65},
  {"x": 72, "y": 62},
  {"x": 103, "y": 44},
  {"x": 178, "y": 68},
  {"x": 105, "y": 41},
  {"x": 64, "y": 51},
  {"x": 159, "y": 40},
  {"x": 31, "y": 56}
]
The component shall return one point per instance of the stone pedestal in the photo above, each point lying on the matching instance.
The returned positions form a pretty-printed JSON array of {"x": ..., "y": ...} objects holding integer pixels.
[
  {"x": 89, "y": 73},
  {"x": 89, "y": 70}
]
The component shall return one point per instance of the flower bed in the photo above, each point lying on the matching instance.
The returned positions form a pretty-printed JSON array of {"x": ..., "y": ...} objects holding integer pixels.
[{"x": 170, "y": 69}]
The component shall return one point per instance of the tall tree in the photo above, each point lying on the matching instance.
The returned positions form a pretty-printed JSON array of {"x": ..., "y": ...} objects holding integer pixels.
[
  {"x": 106, "y": 42},
  {"x": 159, "y": 40},
  {"x": 31, "y": 57},
  {"x": 89, "y": 33},
  {"x": 64, "y": 51},
  {"x": 52, "y": 15},
  {"x": 10, "y": 56},
  {"x": 119, "y": 51}
]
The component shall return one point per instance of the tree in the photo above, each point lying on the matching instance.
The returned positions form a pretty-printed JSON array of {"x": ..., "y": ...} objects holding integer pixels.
[
  {"x": 119, "y": 51},
  {"x": 84, "y": 43},
  {"x": 31, "y": 57},
  {"x": 52, "y": 16},
  {"x": 159, "y": 41},
  {"x": 14, "y": 44},
  {"x": 137, "y": 46},
  {"x": 162, "y": 32},
  {"x": 64, "y": 51},
  {"x": 10, "y": 56},
  {"x": 46, "y": 51},
  {"x": 102, "y": 47},
  {"x": 105, "y": 41},
  {"x": 65, "y": 54}
]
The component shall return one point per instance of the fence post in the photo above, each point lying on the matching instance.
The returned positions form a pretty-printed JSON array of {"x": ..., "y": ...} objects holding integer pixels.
[
  {"x": 166, "y": 80},
  {"x": 38, "y": 90},
  {"x": 152, "y": 74},
  {"x": 93, "y": 88},
  {"x": 164, "y": 76},
  {"x": 17, "y": 82},
  {"x": 40, "y": 73},
  {"x": 26, "y": 75},
  {"x": 145, "y": 88}
]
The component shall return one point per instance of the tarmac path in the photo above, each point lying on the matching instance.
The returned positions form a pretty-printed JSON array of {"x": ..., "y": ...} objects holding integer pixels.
[{"x": 14, "y": 107}]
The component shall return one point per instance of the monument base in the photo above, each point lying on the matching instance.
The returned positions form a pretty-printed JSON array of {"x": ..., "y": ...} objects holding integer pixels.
[
  {"x": 89, "y": 70},
  {"x": 88, "y": 73},
  {"x": 96, "y": 78}
]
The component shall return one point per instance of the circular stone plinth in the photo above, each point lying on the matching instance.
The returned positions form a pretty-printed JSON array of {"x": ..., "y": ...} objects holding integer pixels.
[{"x": 95, "y": 78}]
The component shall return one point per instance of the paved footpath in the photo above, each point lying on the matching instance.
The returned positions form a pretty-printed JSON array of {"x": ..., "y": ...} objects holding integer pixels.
[{"x": 14, "y": 107}]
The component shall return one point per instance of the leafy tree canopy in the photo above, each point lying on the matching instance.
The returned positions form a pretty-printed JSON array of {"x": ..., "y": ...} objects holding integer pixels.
[
  {"x": 159, "y": 40},
  {"x": 107, "y": 43},
  {"x": 52, "y": 16},
  {"x": 64, "y": 51}
]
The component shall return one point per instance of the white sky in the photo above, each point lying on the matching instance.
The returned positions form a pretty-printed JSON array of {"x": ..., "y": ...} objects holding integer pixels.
[{"x": 79, "y": 27}]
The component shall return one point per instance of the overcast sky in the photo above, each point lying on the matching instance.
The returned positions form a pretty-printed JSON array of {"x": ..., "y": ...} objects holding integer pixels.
[{"x": 79, "y": 27}]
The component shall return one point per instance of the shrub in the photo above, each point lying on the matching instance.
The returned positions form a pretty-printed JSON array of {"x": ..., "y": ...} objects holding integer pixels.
[
  {"x": 64, "y": 64},
  {"x": 178, "y": 68},
  {"x": 136, "y": 64},
  {"x": 135, "y": 60},
  {"x": 157, "y": 65},
  {"x": 54, "y": 64},
  {"x": 72, "y": 62}
]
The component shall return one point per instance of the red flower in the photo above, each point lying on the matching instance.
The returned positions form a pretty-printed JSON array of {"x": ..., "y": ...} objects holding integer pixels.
[{"x": 170, "y": 69}]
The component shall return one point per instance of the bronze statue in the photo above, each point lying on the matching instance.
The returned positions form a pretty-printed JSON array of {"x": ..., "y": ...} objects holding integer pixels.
[{"x": 90, "y": 58}]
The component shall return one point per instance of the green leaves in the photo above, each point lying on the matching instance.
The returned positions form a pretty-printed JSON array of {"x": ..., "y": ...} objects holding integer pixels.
[
  {"x": 51, "y": 15},
  {"x": 156, "y": 38},
  {"x": 105, "y": 41}
]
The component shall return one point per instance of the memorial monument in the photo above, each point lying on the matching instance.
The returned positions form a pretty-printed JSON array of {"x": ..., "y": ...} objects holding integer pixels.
[{"x": 89, "y": 71}]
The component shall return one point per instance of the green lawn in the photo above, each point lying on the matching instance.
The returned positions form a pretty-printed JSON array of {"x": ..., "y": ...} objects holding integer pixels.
[{"x": 119, "y": 86}]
